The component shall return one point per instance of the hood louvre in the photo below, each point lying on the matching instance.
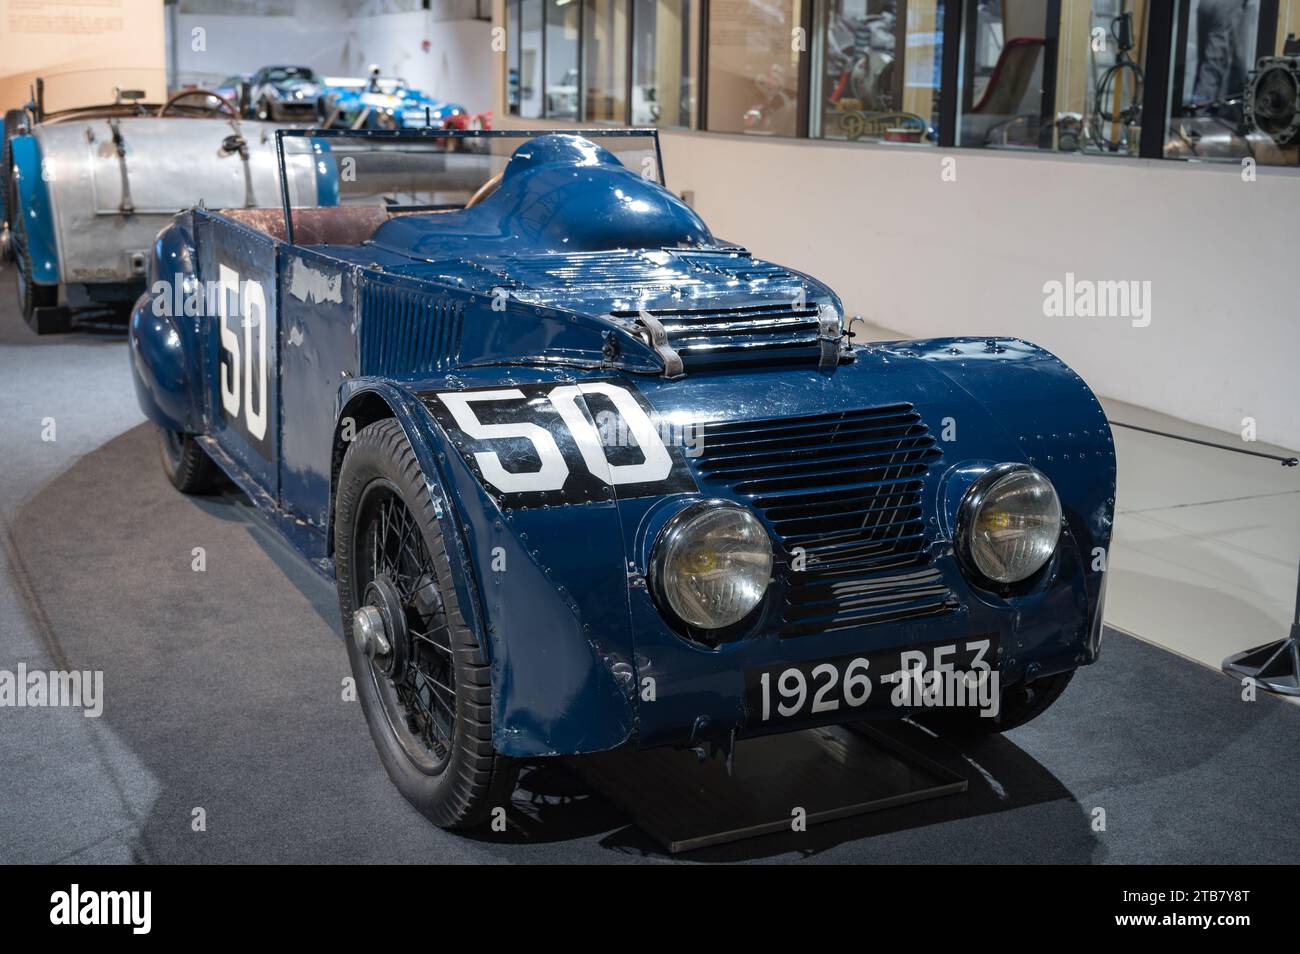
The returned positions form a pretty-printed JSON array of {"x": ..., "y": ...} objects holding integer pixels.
[{"x": 749, "y": 334}]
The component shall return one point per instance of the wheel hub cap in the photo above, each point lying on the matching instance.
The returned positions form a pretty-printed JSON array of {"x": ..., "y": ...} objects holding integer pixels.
[
  {"x": 368, "y": 632},
  {"x": 379, "y": 628}
]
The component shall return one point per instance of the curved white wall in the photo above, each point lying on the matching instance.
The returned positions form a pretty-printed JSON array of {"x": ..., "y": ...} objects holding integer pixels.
[{"x": 928, "y": 257}]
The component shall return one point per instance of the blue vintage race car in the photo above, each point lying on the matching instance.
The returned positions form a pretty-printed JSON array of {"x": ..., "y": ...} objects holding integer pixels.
[
  {"x": 385, "y": 102},
  {"x": 587, "y": 476}
]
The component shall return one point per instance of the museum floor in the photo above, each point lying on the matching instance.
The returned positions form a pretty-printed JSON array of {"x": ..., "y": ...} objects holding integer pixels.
[{"x": 222, "y": 688}]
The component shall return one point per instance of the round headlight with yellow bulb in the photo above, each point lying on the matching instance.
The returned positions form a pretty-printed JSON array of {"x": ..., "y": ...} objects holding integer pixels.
[
  {"x": 711, "y": 564},
  {"x": 1008, "y": 524}
]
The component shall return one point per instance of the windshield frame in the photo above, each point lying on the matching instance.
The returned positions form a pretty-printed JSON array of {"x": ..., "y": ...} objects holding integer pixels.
[{"x": 424, "y": 135}]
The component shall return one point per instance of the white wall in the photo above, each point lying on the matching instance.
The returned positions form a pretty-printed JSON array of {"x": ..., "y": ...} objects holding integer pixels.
[
  {"x": 912, "y": 252},
  {"x": 82, "y": 50},
  {"x": 457, "y": 66},
  {"x": 341, "y": 38},
  {"x": 313, "y": 35}
]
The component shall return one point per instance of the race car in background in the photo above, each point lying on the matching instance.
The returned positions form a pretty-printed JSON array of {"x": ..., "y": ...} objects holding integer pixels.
[
  {"x": 389, "y": 102},
  {"x": 233, "y": 87},
  {"x": 587, "y": 477},
  {"x": 86, "y": 189},
  {"x": 284, "y": 94}
]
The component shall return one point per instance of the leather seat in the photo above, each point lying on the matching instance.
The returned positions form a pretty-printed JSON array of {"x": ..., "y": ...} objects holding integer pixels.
[{"x": 336, "y": 225}]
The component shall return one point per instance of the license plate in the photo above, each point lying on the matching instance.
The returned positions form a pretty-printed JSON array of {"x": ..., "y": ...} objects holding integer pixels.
[{"x": 822, "y": 688}]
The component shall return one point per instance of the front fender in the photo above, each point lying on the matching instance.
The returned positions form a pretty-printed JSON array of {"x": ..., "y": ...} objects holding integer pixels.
[
  {"x": 164, "y": 345},
  {"x": 33, "y": 205},
  {"x": 542, "y": 591},
  {"x": 1058, "y": 424}
]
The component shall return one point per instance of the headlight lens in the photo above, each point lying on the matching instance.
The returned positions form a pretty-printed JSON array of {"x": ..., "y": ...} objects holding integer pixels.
[
  {"x": 711, "y": 564},
  {"x": 1010, "y": 522}
]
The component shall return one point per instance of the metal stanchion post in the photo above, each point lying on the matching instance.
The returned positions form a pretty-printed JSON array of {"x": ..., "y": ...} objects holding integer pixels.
[{"x": 1276, "y": 665}]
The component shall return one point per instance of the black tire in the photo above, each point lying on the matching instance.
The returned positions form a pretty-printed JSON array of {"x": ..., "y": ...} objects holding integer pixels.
[
  {"x": 185, "y": 463},
  {"x": 1020, "y": 704},
  {"x": 264, "y": 111},
  {"x": 437, "y": 750},
  {"x": 31, "y": 295}
]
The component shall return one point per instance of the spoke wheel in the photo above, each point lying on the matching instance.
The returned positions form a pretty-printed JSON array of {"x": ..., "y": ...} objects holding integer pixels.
[
  {"x": 423, "y": 679},
  {"x": 416, "y": 678}
]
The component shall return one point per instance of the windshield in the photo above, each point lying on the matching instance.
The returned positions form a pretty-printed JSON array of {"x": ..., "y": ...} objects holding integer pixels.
[
  {"x": 285, "y": 74},
  {"x": 418, "y": 170}
]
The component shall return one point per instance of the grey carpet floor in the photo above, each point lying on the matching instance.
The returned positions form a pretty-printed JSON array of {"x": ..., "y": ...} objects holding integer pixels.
[{"x": 223, "y": 692}]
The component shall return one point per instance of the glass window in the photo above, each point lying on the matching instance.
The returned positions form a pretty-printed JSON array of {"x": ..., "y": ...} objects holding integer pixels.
[
  {"x": 604, "y": 64},
  {"x": 1072, "y": 83},
  {"x": 1235, "y": 91},
  {"x": 753, "y": 66},
  {"x": 530, "y": 59},
  {"x": 1100, "y": 77},
  {"x": 878, "y": 79},
  {"x": 665, "y": 62},
  {"x": 512, "y": 57},
  {"x": 562, "y": 58}
]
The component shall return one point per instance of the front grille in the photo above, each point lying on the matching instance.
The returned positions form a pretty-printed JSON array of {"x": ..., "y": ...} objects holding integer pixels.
[
  {"x": 843, "y": 489},
  {"x": 404, "y": 331},
  {"x": 748, "y": 334}
]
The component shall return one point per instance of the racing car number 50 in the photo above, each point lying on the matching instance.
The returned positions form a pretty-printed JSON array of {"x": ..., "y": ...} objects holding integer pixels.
[{"x": 554, "y": 471}]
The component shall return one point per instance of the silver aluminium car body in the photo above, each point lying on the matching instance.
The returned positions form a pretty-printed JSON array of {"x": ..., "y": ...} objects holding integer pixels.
[{"x": 114, "y": 183}]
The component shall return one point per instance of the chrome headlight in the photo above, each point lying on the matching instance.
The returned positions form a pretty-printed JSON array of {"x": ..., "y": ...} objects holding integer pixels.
[
  {"x": 711, "y": 564},
  {"x": 1008, "y": 523}
]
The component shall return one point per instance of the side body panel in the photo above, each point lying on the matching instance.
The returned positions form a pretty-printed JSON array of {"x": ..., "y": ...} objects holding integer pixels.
[
  {"x": 318, "y": 356},
  {"x": 240, "y": 345}
]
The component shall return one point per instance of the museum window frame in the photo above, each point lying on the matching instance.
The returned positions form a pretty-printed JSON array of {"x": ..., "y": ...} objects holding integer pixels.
[{"x": 1165, "y": 29}]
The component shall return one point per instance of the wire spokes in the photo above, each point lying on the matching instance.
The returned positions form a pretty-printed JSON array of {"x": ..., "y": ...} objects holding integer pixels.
[{"x": 425, "y": 687}]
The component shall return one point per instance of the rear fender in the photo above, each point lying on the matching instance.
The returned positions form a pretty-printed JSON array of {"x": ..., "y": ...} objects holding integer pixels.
[
  {"x": 33, "y": 205},
  {"x": 164, "y": 342},
  {"x": 1059, "y": 426}
]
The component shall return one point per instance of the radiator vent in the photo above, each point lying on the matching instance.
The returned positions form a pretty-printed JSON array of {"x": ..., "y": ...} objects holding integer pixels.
[{"x": 845, "y": 489}]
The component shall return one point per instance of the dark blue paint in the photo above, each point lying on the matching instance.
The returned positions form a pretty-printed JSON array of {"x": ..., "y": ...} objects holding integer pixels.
[
  {"x": 569, "y": 627},
  {"x": 559, "y": 193},
  {"x": 33, "y": 207}
]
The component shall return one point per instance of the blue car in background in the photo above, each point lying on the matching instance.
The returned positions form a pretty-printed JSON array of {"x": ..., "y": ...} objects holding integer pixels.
[
  {"x": 234, "y": 88},
  {"x": 385, "y": 102},
  {"x": 586, "y": 476},
  {"x": 284, "y": 93}
]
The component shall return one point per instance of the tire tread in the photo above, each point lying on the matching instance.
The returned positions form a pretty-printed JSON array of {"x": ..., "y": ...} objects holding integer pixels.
[{"x": 480, "y": 778}]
